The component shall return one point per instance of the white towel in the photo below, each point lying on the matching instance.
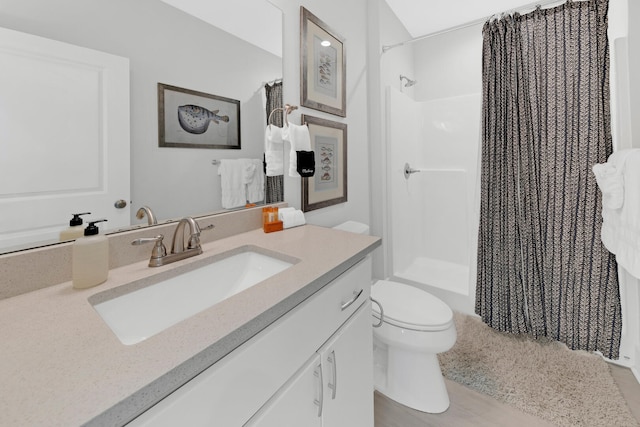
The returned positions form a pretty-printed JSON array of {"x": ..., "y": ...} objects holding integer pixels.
[
  {"x": 254, "y": 180},
  {"x": 281, "y": 211},
  {"x": 609, "y": 179},
  {"x": 299, "y": 140},
  {"x": 232, "y": 182},
  {"x": 621, "y": 226},
  {"x": 273, "y": 151},
  {"x": 292, "y": 218}
]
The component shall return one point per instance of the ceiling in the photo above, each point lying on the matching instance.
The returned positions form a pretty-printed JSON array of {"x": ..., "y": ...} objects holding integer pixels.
[
  {"x": 419, "y": 17},
  {"x": 422, "y": 17},
  {"x": 256, "y": 21}
]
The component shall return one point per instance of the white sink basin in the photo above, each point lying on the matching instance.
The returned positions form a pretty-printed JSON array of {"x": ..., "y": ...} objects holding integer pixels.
[{"x": 140, "y": 314}]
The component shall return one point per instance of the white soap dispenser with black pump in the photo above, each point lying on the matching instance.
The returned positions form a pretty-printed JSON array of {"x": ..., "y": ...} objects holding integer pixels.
[
  {"x": 75, "y": 229},
  {"x": 90, "y": 263}
]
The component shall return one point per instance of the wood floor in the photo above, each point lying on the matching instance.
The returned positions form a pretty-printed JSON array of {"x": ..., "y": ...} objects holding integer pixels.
[{"x": 470, "y": 408}]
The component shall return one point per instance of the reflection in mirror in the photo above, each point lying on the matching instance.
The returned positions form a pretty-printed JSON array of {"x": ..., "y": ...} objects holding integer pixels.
[{"x": 164, "y": 44}]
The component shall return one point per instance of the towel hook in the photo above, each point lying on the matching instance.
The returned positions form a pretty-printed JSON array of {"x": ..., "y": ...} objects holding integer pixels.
[{"x": 287, "y": 109}]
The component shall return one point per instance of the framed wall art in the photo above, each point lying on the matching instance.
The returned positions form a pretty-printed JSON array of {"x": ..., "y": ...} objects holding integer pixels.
[
  {"x": 192, "y": 119},
  {"x": 329, "y": 184},
  {"x": 322, "y": 66}
]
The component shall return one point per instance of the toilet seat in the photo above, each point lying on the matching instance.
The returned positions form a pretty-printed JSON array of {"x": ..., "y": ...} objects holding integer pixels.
[{"x": 407, "y": 307}]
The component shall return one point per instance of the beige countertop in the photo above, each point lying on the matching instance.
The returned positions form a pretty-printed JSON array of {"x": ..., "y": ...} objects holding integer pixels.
[{"x": 60, "y": 364}]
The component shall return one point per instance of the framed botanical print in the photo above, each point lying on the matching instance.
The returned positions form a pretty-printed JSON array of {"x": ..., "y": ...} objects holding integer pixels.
[
  {"x": 329, "y": 184},
  {"x": 323, "y": 66},
  {"x": 192, "y": 119}
]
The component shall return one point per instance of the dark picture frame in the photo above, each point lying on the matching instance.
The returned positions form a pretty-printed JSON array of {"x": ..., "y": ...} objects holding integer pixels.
[
  {"x": 193, "y": 119},
  {"x": 323, "y": 66},
  {"x": 329, "y": 184}
]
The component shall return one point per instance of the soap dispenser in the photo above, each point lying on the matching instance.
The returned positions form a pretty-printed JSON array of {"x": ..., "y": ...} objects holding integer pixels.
[
  {"x": 90, "y": 263},
  {"x": 75, "y": 229}
]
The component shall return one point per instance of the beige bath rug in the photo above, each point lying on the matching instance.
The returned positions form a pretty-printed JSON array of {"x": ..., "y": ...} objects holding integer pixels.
[{"x": 540, "y": 377}]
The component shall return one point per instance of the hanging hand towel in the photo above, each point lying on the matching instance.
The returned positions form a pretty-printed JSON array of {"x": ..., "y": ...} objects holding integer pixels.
[
  {"x": 609, "y": 179},
  {"x": 232, "y": 182},
  {"x": 299, "y": 140},
  {"x": 273, "y": 151},
  {"x": 254, "y": 180},
  {"x": 621, "y": 226},
  {"x": 305, "y": 163}
]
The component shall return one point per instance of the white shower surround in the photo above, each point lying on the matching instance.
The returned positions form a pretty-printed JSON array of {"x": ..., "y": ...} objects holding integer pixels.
[{"x": 433, "y": 217}]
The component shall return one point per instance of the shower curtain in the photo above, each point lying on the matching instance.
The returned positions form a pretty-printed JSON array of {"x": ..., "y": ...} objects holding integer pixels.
[
  {"x": 274, "y": 191},
  {"x": 542, "y": 268}
]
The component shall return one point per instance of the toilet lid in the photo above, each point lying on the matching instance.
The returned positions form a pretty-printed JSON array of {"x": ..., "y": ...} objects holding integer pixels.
[{"x": 408, "y": 307}]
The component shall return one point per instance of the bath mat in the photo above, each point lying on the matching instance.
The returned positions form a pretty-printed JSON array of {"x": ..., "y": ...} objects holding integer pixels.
[{"x": 540, "y": 377}]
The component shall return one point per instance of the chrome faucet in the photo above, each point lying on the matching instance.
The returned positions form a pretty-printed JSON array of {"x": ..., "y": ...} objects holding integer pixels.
[
  {"x": 159, "y": 255},
  {"x": 177, "y": 245},
  {"x": 146, "y": 210}
]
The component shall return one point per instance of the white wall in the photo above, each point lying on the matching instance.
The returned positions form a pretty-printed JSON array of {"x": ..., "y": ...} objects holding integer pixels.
[
  {"x": 167, "y": 46},
  {"x": 634, "y": 67},
  {"x": 449, "y": 64},
  {"x": 348, "y": 19}
]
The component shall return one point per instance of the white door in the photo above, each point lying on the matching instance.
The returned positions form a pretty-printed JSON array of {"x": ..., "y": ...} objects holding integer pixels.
[
  {"x": 298, "y": 403},
  {"x": 347, "y": 362},
  {"x": 64, "y": 137}
]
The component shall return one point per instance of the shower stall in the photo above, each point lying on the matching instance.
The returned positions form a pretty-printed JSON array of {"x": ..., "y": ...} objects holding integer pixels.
[
  {"x": 429, "y": 222},
  {"x": 433, "y": 216}
]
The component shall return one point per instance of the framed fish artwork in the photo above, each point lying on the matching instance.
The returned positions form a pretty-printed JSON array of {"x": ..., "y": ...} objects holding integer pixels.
[
  {"x": 328, "y": 186},
  {"x": 192, "y": 119},
  {"x": 323, "y": 66}
]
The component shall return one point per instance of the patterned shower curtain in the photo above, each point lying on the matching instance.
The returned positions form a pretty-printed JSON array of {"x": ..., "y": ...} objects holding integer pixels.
[
  {"x": 274, "y": 185},
  {"x": 542, "y": 268}
]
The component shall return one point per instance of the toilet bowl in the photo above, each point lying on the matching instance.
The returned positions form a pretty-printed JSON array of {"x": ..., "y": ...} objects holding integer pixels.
[{"x": 413, "y": 326}]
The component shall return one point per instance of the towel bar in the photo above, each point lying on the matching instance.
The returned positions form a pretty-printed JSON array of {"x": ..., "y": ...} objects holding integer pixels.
[{"x": 287, "y": 109}]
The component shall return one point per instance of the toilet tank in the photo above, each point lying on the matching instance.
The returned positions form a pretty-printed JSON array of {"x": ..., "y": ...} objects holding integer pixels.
[{"x": 353, "y": 227}]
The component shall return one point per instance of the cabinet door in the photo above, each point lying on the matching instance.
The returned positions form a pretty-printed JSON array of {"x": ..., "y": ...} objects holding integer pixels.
[
  {"x": 298, "y": 403},
  {"x": 347, "y": 363}
]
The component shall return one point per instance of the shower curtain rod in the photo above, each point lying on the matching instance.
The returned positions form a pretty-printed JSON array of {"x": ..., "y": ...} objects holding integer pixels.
[{"x": 470, "y": 24}]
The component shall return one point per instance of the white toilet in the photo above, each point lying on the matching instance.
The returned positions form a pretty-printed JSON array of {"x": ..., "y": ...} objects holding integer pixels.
[{"x": 415, "y": 327}]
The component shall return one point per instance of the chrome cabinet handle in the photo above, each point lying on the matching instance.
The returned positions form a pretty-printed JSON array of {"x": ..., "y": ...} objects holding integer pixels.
[
  {"x": 333, "y": 386},
  {"x": 345, "y": 305},
  {"x": 319, "y": 401}
]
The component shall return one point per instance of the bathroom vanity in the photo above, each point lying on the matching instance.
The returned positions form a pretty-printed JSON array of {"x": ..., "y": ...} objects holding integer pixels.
[
  {"x": 294, "y": 349},
  {"x": 311, "y": 367}
]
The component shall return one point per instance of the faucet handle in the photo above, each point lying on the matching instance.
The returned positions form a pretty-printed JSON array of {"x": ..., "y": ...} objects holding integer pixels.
[
  {"x": 194, "y": 239},
  {"x": 159, "y": 250}
]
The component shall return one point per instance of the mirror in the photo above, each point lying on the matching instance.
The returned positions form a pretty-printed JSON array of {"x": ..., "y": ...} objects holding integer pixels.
[{"x": 168, "y": 45}]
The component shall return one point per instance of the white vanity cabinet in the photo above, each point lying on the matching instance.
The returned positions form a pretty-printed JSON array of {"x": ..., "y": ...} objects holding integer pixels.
[
  {"x": 298, "y": 403},
  {"x": 311, "y": 367},
  {"x": 334, "y": 388}
]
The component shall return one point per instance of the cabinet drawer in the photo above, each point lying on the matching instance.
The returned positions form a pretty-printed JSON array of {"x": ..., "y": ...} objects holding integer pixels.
[{"x": 232, "y": 390}]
